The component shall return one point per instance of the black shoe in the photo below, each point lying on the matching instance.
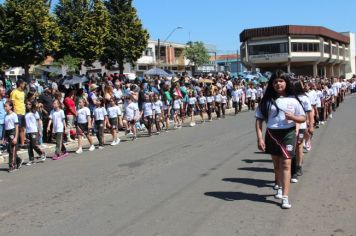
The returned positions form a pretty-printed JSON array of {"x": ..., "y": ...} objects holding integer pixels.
[
  {"x": 294, "y": 178},
  {"x": 299, "y": 171}
]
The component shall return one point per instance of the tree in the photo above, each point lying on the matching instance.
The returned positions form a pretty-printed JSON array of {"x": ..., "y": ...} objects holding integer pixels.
[
  {"x": 85, "y": 28},
  {"x": 70, "y": 63},
  {"x": 197, "y": 54},
  {"x": 29, "y": 33},
  {"x": 127, "y": 39},
  {"x": 2, "y": 26}
]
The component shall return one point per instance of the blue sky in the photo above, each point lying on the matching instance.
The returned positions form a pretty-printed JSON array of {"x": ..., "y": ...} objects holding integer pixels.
[{"x": 220, "y": 22}]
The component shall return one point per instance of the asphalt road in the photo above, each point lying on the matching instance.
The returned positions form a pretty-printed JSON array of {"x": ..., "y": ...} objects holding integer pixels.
[{"x": 206, "y": 180}]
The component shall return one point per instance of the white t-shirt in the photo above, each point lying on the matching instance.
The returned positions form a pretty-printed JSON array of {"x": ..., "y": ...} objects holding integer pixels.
[
  {"x": 57, "y": 118},
  {"x": 223, "y": 99},
  {"x": 192, "y": 100},
  {"x": 253, "y": 94},
  {"x": 313, "y": 97},
  {"x": 82, "y": 115},
  {"x": 202, "y": 100},
  {"x": 319, "y": 98},
  {"x": 209, "y": 99},
  {"x": 100, "y": 113},
  {"x": 177, "y": 103},
  {"x": 130, "y": 111},
  {"x": 158, "y": 106},
  {"x": 31, "y": 122},
  {"x": 114, "y": 112},
  {"x": 10, "y": 121},
  {"x": 279, "y": 121},
  {"x": 148, "y": 109},
  {"x": 259, "y": 92},
  {"x": 218, "y": 98},
  {"x": 235, "y": 95},
  {"x": 306, "y": 106}
]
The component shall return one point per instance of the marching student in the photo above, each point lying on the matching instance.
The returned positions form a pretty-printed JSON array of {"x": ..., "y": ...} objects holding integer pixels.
[
  {"x": 114, "y": 112},
  {"x": 202, "y": 105},
  {"x": 223, "y": 103},
  {"x": 301, "y": 129},
  {"x": 11, "y": 136},
  {"x": 131, "y": 116},
  {"x": 148, "y": 113},
  {"x": 192, "y": 101},
  {"x": 33, "y": 130},
  {"x": 84, "y": 125},
  {"x": 57, "y": 118},
  {"x": 177, "y": 106},
  {"x": 209, "y": 104},
  {"x": 158, "y": 105},
  {"x": 100, "y": 121},
  {"x": 235, "y": 99},
  {"x": 281, "y": 111},
  {"x": 217, "y": 105}
]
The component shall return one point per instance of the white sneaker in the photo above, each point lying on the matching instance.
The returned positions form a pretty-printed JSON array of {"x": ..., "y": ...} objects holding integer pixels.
[
  {"x": 192, "y": 124},
  {"x": 29, "y": 163},
  {"x": 323, "y": 122},
  {"x": 285, "y": 203},
  {"x": 276, "y": 187},
  {"x": 113, "y": 143},
  {"x": 79, "y": 151},
  {"x": 101, "y": 147},
  {"x": 92, "y": 148},
  {"x": 118, "y": 141},
  {"x": 43, "y": 157},
  {"x": 331, "y": 116},
  {"x": 279, "y": 194}
]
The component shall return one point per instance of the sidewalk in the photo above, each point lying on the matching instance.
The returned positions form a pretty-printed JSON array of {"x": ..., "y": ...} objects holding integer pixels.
[{"x": 23, "y": 153}]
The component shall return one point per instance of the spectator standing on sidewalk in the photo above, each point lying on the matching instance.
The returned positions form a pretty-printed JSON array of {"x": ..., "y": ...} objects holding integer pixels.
[
  {"x": 18, "y": 100},
  {"x": 46, "y": 100},
  {"x": 2, "y": 116}
]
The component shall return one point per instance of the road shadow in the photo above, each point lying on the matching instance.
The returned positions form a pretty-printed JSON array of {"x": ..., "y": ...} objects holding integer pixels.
[
  {"x": 257, "y": 169},
  {"x": 238, "y": 196},
  {"x": 261, "y": 153},
  {"x": 4, "y": 169},
  {"x": 257, "y": 160},
  {"x": 260, "y": 183}
]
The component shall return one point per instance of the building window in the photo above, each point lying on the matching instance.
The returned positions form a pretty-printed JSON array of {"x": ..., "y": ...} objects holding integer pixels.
[
  {"x": 268, "y": 49},
  {"x": 326, "y": 48},
  {"x": 334, "y": 50},
  {"x": 341, "y": 52},
  {"x": 148, "y": 52},
  {"x": 305, "y": 47},
  {"x": 142, "y": 67}
]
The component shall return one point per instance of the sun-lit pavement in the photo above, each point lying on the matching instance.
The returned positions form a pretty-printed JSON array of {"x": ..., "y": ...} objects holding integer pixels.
[{"x": 205, "y": 180}]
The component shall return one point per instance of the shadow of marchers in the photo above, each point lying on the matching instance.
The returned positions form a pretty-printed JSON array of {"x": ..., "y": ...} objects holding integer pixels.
[
  {"x": 260, "y": 183},
  {"x": 257, "y": 169},
  {"x": 257, "y": 160},
  {"x": 238, "y": 196}
]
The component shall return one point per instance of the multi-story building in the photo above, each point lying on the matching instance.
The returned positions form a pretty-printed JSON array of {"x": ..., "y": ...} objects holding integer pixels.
[
  {"x": 171, "y": 58},
  {"x": 230, "y": 63},
  {"x": 304, "y": 50}
]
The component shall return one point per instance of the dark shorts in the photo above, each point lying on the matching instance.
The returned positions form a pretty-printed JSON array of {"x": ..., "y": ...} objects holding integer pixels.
[
  {"x": 281, "y": 142},
  {"x": 113, "y": 122},
  {"x": 82, "y": 129},
  {"x": 22, "y": 122}
]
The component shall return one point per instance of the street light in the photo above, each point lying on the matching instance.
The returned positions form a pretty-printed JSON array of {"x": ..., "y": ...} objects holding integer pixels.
[{"x": 159, "y": 42}]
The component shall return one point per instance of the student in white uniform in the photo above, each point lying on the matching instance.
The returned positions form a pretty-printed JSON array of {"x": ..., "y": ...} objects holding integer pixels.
[
  {"x": 302, "y": 129},
  {"x": 33, "y": 123},
  {"x": 202, "y": 105},
  {"x": 209, "y": 104},
  {"x": 217, "y": 106},
  {"x": 192, "y": 101},
  {"x": 281, "y": 112},
  {"x": 235, "y": 99},
  {"x": 114, "y": 112},
  {"x": 177, "y": 106},
  {"x": 84, "y": 125},
  {"x": 148, "y": 108},
  {"x": 251, "y": 93},
  {"x": 158, "y": 106},
  {"x": 57, "y": 118},
  {"x": 11, "y": 126},
  {"x": 100, "y": 121},
  {"x": 131, "y": 115},
  {"x": 223, "y": 103}
]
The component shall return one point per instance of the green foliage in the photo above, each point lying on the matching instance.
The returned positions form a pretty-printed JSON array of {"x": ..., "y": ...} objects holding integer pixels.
[
  {"x": 71, "y": 63},
  {"x": 127, "y": 39},
  {"x": 29, "y": 33},
  {"x": 197, "y": 53},
  {"x": 85, "y": 28}
]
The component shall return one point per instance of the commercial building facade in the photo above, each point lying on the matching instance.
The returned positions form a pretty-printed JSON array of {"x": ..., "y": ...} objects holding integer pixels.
[{"x": 303, "y": 50}]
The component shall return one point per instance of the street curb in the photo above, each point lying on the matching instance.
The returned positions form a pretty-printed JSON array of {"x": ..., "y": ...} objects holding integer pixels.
[{"x": 23, "y": 153}]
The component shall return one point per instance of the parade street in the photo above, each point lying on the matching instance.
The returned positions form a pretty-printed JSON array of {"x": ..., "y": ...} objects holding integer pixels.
[{"x": 204, "y": 180}]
